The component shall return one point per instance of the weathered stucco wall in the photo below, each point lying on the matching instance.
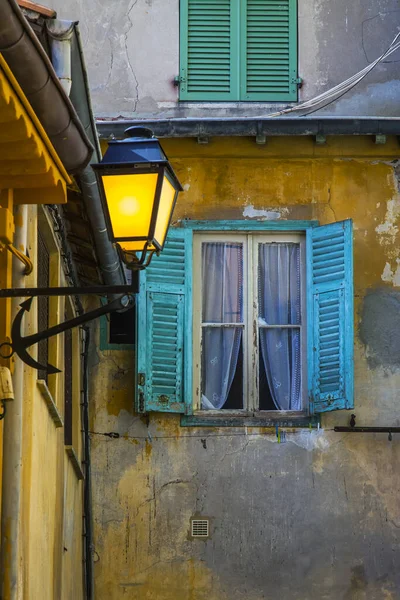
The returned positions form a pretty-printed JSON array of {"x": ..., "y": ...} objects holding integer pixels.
[
  {"x": 50, "y": 544},
  {"x": 132, "y": 54},
  {"x": 315, "y": 517}
]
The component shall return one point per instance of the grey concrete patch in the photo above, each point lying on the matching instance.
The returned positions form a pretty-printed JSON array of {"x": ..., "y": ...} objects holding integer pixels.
[{"x": 380, "y": 327}]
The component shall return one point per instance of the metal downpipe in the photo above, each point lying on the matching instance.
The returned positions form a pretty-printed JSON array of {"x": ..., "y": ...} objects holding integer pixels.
[
  {"x": 106, "y": 253},
  {"x": 65, "y": 38}
]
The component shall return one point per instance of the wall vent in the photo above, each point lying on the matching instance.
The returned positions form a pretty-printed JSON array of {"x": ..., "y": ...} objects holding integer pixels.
[{"x": 200, "y": 528}]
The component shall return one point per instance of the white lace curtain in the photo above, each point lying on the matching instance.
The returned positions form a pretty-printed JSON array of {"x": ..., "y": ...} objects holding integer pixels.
[
  {"x": 279, "y": 304},
  {"x": 222, "y": 313},
  {"x": 222, "y": 301}
]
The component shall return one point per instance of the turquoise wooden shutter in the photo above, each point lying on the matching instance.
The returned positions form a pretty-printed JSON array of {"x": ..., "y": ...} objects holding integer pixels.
[
  {"x": 209, "y": 50},
  {"x": 164, "y": 336},
  {"x": 269, "y": 50},
  {"x": 330, "y": 316}
]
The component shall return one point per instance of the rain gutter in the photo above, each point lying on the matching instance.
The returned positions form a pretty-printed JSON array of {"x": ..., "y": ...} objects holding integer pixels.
[
  {"x": 35, "y": 74},
  {"x": 253, "y": 126}
]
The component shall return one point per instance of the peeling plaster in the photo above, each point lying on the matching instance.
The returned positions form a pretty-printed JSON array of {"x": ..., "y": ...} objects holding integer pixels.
[
  {"x": 388, "y": 230},
  {"x": 255, "y": 213},
  {"x": 392, "y": 275},
  {"x": 387, "y": 274}
]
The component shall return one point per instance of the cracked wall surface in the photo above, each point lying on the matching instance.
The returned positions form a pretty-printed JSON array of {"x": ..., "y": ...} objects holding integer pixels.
[
  {"x": 316, "y": 517},
  {"x": 132, "y": 54}
]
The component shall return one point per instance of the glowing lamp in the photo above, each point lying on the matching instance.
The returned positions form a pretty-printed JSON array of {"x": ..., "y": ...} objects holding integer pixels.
[{"x": 138, "y": 189}]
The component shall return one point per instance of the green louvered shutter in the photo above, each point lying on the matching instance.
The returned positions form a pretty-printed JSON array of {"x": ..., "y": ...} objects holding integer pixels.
[
  {"x": 209, "y": 50},
  {"x": 269, "y": 50},
  {"x": 164, "y": 328},
  {"x": 330, "y": 316}
]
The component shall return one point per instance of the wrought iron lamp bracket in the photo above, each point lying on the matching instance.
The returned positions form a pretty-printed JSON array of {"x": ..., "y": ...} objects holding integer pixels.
[{"x": 19, "y": 343}]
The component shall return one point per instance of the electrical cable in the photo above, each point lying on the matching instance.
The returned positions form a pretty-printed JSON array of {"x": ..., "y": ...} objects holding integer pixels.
[
  {"x": 339, "y": 90},
  {"x": 365, "y": 72},
  {"x": 325, "y": 105},
  {"x": 150, "y": 438}
]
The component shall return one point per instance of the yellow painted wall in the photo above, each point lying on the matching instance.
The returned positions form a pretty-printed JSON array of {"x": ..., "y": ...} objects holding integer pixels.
[
  {"x": 51, "y": 519},
  {"x": 332, "y": 498}
]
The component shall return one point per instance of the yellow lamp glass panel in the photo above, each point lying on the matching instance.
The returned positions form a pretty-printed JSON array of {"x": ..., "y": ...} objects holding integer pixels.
[
  {"x": 164, "y": 211},
  {"x": 130, "y": 201},
  {"x": 135, "y": 246}
]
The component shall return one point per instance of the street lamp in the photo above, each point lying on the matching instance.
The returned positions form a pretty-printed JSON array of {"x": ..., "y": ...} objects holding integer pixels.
[{"x": 138, "y": 190}]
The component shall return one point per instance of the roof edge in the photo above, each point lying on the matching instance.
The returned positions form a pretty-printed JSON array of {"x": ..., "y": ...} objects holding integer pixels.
[
  {"x": 250, "y": 126},
  {"x": 35, "y": 74}
]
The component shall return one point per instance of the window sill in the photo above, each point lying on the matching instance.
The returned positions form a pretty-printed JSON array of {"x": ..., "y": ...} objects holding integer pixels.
[
  {"x": 51, "y": 405},
  {"x": 239, "y": 104},
  {"x": 262, "y": 419},
  {"x": 75, "y": 462}
]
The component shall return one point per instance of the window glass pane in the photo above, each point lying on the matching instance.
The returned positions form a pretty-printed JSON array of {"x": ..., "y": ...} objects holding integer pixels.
[
  {"x": 122, "y": 326},
  {"x": 222, "y": 282},
  {"x": 222, "y": 368},
  {"x": 279, "y": 284},
  {"x": 265, "y": 397},
  {"x": 280, "y": 369}
]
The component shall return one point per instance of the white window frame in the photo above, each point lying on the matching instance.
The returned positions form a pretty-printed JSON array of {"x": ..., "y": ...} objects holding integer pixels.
[{"x": 250, "y": 240}]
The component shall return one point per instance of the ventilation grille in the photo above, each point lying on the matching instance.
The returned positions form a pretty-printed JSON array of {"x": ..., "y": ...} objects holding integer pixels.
[{"x": 200, "y": 528}]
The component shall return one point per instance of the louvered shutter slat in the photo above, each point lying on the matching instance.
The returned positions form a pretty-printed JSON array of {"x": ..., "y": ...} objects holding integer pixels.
[
  {"x": 164, "y": 329},
  {"x": 269, "y": 50},
  {"x": 209, "y": 50},
  {"x": 330, "y": 317}
]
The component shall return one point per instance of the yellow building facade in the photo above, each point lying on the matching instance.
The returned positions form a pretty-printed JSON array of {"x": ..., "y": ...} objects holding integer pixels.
[
  {"x": 316, "y": 516},
  {"x": 42, "y": 494}
]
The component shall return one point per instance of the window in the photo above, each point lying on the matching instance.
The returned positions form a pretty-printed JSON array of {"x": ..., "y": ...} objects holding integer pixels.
[
  {"x": 248, "y": 327},
  {"x": 122, "y": 327},
  {"x": 118, "y": 330},
  {"x": 232, "y": 50},
  {"x": 72, "y": 391},
  {"x": 243, "y": 316},
  {"x": 43, "y": 281},
  {"x": 48, "y": 308},
  {"x": 68, "y": 385}
]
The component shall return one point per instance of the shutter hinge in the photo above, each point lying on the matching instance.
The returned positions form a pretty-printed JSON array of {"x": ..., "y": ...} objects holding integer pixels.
[
  {"x": 297, "y": 81},
  {"x": 141, "y": 402},
  {"x": 141, "y": 378},
  {"x": 178, "y": 80}
]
